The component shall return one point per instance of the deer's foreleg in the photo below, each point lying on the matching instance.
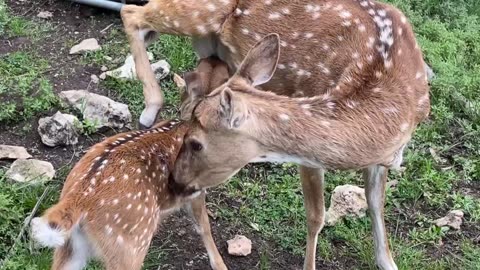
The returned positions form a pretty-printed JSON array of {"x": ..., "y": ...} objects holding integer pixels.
[
  {"x": 139, "y": 35},
  {"x": 198, "y": 211}
]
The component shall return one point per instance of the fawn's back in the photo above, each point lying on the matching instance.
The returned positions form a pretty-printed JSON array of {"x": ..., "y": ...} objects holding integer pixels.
[{"x": 114, "y": 197}]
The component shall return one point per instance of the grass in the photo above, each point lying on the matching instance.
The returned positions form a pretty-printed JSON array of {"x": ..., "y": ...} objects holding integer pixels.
[
  {"x": 16, "y": 26},
  {"x": 171, "y": 48},
  {"x": 442, "y": 161},
  {"x": 24, "y": 90}
]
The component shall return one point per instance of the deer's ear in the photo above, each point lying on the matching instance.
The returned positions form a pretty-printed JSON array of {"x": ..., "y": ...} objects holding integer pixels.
[
  {"x": 261, "y": 61},
  {"x": 232, "y": 110}
]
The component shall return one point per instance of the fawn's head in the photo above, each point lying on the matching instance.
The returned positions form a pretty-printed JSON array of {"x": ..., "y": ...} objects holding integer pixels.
[
  {"x": 216, "y": 145},
  {"x": 207, "y": 76}
]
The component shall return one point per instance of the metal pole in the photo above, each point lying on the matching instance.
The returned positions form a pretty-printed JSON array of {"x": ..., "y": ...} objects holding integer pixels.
[{"x": 101, "y": 4}]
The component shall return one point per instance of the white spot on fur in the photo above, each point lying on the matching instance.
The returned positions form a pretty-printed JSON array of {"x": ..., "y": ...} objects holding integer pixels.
[
  {"x": 345, "y": 14},
  {"x": 284, "y": 117},
  {"x": 274, "y": 16}
]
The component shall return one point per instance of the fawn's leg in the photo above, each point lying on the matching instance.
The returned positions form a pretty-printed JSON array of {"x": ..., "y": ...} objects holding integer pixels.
[
  {"x": 313, "y": 186},
  {"x": 198, "y": 211},
  {"x": 125, "y": 253},
  {"x": 139, "y": 35},
  {"x": 125, "y": 261},
  {"x": 74, "y": 254},
  {"x": 375, "y": 179}
]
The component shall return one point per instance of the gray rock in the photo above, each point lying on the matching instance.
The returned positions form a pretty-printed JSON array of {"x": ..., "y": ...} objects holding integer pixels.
[
  {"x": 45, "y": 15},
  {"x": 239, "y": 246},
  {"x": 98, "y": 109},
  {"x": 430, "y": 73},
  {"x": 59, "y": 129},
  {"x": 161, "y": 69},
  {"x": 30, "y": 170},
  {"x": 453, "y": 219},
  {"x": 13, "y": 152},
  {"x": 128, "y": 71},
  {"x": 347, "y": 200},
  {"x": 87, "y": 45},
  {"x": 94, "y": 78}
]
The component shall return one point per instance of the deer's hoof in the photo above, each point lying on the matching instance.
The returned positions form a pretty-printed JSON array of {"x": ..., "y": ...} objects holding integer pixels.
[{"x": 148, "y": 117}]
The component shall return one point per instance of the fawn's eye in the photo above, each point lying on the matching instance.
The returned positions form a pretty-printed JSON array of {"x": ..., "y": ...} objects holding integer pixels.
[{"x": 196, "y": 146}]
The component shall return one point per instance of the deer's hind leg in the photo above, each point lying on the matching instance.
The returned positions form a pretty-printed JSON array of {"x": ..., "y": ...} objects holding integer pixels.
[
  {"x": 122, "y": 251},
  {"x": 314, "y": 200},
  {"x": 375, "y": 180},
  {"x": 139, "y": 35},
  {"x": 74, "y": 254}
]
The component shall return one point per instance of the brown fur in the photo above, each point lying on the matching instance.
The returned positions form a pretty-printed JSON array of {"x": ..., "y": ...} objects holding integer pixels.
[{"x": 361, "y": 55}]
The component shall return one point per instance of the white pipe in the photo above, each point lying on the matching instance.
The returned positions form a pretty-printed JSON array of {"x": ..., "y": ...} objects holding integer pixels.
[{"x": 102, "y": 4}]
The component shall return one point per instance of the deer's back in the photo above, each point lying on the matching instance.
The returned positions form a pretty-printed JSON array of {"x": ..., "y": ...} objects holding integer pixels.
[{"x": 341, "y": 47}]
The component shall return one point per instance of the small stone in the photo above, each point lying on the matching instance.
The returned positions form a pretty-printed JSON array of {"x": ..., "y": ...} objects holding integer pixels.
[
  {"x": 100, "y": 110},
  {"x": 45, "y": 15},
  {"x": 103, "y": 68},
  {"x": 182, "y": 232},
  {"x": 103, "y": 76},
  {"x": 30, "y": 170},
  {"x": 60, "y": 129},
  {"x": 430, "y": 73},
  {"x": 347, "y": 200},
  {"x": 239, "y": 246},
  {"x": 161, "y": 69},
  {"x": 128, "y": 71},
  {"x": 94, "y": 78},
  {"x": 13, "y": 152},
  {"x": 453, "y": 219},
  {"x": 87, "y": 45}
]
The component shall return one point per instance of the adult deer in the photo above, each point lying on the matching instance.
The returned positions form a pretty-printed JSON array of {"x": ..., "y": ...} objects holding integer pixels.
[
  {"x": 116, "y": 195},
  {"x": 364, "y": 124},
  {"x": 341, "y": 48}
]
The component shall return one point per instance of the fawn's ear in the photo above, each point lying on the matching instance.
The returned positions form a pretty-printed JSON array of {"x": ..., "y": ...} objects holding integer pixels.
[
  {"x": 194, "y": 86},
  {"x": 233, "y": 111},
  {"x": 261, "y": 61}
]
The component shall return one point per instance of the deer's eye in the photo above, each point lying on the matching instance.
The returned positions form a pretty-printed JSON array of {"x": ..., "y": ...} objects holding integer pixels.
[{"x": 196, "y": 146}]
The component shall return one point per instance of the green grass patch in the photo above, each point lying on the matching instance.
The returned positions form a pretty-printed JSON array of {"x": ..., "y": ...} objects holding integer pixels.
[
  {"x": 17, "y": 200},
  {"x": 15, "y": 26},
  {"x": 24, "y": 90},
  {"x": 175, "y": 50}
]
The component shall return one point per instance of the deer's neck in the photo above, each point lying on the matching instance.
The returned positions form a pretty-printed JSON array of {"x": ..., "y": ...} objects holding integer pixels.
[{"x": 290, "y": 129}]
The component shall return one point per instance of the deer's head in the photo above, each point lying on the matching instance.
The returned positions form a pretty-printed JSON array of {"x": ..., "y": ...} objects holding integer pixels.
[{"x": 218, "y": 143}]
